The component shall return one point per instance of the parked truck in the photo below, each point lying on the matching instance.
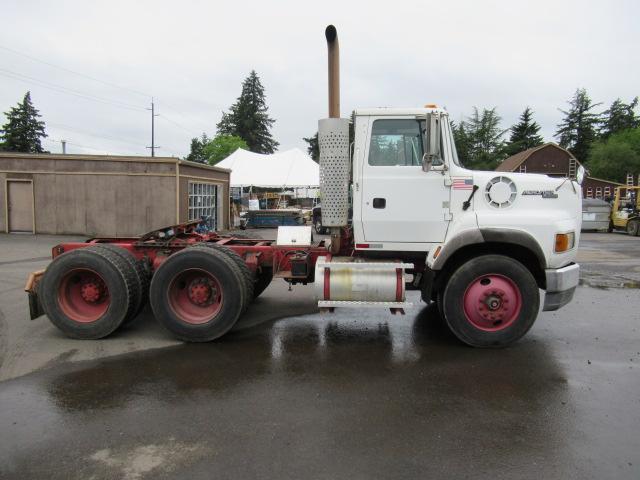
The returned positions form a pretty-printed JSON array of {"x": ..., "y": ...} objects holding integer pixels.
[{"x": 482, "y": 245}]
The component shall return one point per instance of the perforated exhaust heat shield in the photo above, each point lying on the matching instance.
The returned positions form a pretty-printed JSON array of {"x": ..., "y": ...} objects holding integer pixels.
[{"x": 333, "y": 140}]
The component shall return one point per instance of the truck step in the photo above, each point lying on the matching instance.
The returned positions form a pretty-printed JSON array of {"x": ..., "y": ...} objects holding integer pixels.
[{"x": 394, "y": 307}]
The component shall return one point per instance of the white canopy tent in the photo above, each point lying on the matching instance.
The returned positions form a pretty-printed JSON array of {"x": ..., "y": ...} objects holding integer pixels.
[{"x": 292, "y": 169}]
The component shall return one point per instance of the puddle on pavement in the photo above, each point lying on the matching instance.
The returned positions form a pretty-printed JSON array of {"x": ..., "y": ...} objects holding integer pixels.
[{"x": 605, "y": 282}]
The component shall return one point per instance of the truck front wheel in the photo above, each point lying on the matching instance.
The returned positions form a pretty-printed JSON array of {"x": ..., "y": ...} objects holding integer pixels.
[{"x": 490, "y": 301}]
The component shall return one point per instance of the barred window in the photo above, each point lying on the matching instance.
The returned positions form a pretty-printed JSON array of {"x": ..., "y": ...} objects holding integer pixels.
[
  {"x": 589, "y": 192},
  {"x": 202, "y": 201},
  {"x": 598, "y": 192}
]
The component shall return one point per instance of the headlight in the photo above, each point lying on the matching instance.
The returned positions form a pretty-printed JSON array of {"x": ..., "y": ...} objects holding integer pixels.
[{"x": 564, "y": 242}]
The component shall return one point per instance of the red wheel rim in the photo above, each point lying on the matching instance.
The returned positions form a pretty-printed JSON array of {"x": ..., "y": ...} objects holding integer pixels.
[
  {"x": 83, "y": 295},
  {"x": 492, "y": 302},
  {"x": 195, "y": 296}
]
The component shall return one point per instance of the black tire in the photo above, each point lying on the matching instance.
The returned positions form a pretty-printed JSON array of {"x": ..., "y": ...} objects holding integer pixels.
[
  {"x": 141, "y": 287},
  {"x": 610, "y": 229},
  {"x": 240, "y": 263},
  {"x": 213, "y": 262},
  {"x": 632, "y": 227},
  {"x": 489, "y": 271},
  {"x": 113, "y": 271},
  {"x": 263, "y": 280}
]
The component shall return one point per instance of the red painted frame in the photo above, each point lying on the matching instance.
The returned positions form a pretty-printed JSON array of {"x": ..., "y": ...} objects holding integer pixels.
[{"x": 158, "y": 245}]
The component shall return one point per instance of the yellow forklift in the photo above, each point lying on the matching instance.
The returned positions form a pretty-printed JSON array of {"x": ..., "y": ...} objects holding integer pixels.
[{"x": 625, "y": 213}]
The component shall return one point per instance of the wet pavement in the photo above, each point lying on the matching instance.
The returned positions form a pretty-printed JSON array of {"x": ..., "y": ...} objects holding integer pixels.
[{"x": 358, "y": 394}]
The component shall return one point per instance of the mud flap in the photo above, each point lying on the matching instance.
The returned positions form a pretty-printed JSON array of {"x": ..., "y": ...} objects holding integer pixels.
[{"x": 35, "y": 309}]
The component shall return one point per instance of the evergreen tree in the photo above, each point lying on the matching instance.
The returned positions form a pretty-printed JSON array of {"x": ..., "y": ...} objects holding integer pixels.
[
  {"x": 577, "y": 131},
  {"x": 486, "y": 147},
  {"x": 313, "y": 148},
  {"x": 23, "y": 131},
  {"x": 462, "y": 141},
  {"x": 248, "y": 117},
  {"x": 620, "y": 116},
  {"x": 197, "y": 153},
  {"x": 524, "y": 134}
]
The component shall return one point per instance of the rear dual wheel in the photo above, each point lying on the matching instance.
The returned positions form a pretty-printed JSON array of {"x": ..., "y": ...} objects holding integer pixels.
[
  {"x": 87, "y": 293},
  {"x": 490, "y": 301},
  {"x": 199, "y": 293}
]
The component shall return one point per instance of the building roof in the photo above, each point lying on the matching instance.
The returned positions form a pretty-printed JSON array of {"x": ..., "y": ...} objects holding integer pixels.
[
  {"x": 605, "y": 181},
  {"x": 110, "y": 158},
  {"x": 510, "y": 164}
]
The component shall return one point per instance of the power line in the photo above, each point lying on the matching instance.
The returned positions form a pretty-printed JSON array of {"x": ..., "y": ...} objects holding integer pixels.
[
  {"x": 57, "y": 142},
  {"x": 16, "y": 52},
  {"x": 91, "y": 97},
  {"x": 92, "y": 134},
  {"x": 89, "y": 77},
  {"x": 68, "y": 91},
  {"x": 192, "y": 132},
  {"x": 165, "y": 104}
]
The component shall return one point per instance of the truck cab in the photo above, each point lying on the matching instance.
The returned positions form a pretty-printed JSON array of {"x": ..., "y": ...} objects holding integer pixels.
[{"x": 412, "y": 195}]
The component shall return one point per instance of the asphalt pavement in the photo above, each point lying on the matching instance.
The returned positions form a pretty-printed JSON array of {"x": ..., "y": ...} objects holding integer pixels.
[{"x": 292, "y": 393}]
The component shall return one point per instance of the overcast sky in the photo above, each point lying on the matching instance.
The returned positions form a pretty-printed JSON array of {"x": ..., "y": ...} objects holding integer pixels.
[{"x": 193, "y": 55}]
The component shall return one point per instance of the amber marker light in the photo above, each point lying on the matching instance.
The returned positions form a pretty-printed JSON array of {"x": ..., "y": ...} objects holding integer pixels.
[{"x": 564, "y": 242}]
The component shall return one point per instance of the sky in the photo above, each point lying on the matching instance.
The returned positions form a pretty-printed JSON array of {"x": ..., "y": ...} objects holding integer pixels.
[{"x": 92, "y": 67}]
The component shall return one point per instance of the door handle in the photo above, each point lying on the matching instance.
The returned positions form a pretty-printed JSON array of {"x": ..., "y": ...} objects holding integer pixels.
[{"x": 379, "y": 202}]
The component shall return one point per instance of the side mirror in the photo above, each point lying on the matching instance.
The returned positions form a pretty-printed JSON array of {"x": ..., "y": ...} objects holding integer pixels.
[
  {"x": 580, "y": 174},
  {"x": 431, "y": 141}
]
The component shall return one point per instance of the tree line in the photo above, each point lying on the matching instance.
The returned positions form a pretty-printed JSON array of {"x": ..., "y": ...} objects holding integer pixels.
[
  {"x": 607, "y": 142},
  {"x": 246, "y": 125}
]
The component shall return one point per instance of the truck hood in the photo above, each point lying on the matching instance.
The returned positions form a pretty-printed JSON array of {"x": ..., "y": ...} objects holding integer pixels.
[{"x": 538, "y": 204}]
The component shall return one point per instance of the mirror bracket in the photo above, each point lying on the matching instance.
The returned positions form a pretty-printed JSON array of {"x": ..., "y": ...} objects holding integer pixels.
[{"x": 431, "y": 139}]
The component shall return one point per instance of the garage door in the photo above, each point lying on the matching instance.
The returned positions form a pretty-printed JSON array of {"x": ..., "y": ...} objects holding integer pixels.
[
  {"x": 20, "y": 206},
  {"x": 203, "y": 201}
]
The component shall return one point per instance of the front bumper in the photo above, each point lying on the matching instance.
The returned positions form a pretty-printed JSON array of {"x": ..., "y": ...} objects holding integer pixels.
[{"x": 561, "y": 285}]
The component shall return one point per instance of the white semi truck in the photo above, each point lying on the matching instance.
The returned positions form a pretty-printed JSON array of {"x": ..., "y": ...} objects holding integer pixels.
[{"x": 482, "y": 245}]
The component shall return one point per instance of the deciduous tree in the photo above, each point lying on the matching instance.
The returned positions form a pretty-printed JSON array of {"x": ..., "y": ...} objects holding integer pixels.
[
  {"x": 614, "y": 157},
  {"x": 222, "y": 146}
]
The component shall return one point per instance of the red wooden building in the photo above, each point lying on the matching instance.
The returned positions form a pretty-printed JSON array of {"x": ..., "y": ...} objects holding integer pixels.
[{"x": 553, "y": 160}]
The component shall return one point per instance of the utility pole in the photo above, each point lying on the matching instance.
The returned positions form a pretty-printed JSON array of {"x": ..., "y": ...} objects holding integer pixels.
[
  {"x": 64, "y": 146},
  {"x": 153, "y": 121}
]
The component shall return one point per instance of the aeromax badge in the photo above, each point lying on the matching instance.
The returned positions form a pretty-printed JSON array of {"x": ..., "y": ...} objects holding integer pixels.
[{"x": 543, "y": 193}]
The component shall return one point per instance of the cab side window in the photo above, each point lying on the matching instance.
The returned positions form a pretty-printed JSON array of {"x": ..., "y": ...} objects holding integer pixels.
[{"x": 396, "y": 142}]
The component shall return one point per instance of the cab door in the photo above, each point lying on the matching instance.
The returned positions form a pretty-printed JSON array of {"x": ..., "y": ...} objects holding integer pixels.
[{"x": 400, "y": 202}]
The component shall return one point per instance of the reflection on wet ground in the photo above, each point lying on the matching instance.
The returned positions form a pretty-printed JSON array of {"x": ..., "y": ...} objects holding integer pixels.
[{"x": 357, "y": 395}]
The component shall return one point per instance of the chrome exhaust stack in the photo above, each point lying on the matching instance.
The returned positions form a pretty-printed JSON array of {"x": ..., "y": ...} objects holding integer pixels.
[{"x": 333, "y": 140}]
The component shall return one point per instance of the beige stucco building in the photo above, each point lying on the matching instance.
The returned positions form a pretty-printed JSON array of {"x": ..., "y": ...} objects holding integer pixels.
[{"x": 99, "y": 195}]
